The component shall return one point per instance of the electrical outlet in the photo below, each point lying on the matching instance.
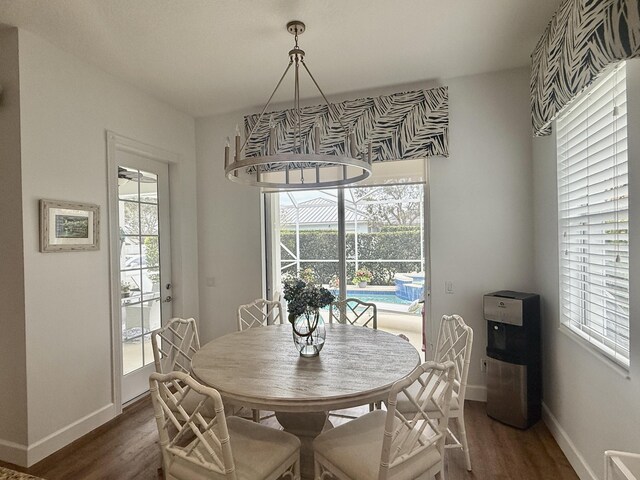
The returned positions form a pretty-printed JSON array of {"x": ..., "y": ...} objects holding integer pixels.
[
  {"x": 483, "y": 364},
  {"x": 448, "y": 287}
]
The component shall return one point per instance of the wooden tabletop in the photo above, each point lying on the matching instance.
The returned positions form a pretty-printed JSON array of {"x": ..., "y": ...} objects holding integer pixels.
[{"x": 261, "y": 368}]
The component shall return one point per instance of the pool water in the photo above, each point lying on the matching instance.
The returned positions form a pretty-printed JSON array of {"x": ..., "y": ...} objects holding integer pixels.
[{"x": 374, "y": 296}]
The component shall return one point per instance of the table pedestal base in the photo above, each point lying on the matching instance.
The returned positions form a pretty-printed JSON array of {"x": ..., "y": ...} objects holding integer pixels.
[{"x": 306, "y": 426}]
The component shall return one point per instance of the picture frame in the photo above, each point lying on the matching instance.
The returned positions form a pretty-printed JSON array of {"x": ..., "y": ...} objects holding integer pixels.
[{"x": 69, "y": 226}]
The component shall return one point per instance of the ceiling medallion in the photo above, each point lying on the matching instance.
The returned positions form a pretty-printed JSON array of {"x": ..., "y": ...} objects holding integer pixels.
[{"x": 305, "y": 165}]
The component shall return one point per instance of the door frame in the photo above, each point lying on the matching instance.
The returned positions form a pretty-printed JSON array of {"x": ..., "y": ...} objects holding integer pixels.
[
  {"x": 119, "y": 143},
  {"x": 268, "y": 213},
  {"x": 429, "y": 326}
]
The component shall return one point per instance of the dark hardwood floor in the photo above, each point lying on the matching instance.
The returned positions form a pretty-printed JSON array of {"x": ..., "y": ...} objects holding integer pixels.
[
  {"x": 499, "y": 452},
  {"x": 127, "y": 448}
]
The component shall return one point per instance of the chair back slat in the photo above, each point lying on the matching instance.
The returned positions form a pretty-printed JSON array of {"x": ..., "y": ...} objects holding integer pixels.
[
  {"x": 455, "y": 340},
  {"x": 174, "y": 345},
  {"x": 193, "y": 436},
  {"x": 407, "y": 435},
  {"x": 353, "y": 311},
  {"x": 259, "y": 313}
]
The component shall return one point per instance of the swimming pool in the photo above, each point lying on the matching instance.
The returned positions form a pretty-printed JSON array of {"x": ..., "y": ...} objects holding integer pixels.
[{"x": 374, "y": 296}]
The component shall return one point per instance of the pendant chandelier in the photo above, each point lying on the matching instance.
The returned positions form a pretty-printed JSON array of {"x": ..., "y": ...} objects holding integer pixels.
[{"x": 300, "y": 163}]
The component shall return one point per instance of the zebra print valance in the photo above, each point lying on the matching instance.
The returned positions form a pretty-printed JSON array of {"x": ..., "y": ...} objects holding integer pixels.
[
  {"x": 401, "y": 126},
  {"x": 582, "y": 39}
]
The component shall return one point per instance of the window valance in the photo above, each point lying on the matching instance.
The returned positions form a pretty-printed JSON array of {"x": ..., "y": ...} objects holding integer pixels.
[
  {"x": 582, "y": 39},
  {"x": 401, "y": 126}
]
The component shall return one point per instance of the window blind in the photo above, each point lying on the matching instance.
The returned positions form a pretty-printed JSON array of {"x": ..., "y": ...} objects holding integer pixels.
[{"x": 593, "y": 201}]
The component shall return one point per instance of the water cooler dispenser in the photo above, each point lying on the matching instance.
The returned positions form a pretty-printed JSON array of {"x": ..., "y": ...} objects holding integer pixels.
[{"x": 514, "y": 377}]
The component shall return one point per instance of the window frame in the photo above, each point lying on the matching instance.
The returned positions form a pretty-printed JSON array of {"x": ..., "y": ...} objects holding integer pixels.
[{"x": 599, "y": 343}]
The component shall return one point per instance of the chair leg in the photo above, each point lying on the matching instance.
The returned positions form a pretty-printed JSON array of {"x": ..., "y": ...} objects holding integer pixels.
[
  {"x": 463, "y": 440},
  {"x": 296, "y": 469},
  {"x": 316, "y": 470},
  {"x": 256, "y": 415}
]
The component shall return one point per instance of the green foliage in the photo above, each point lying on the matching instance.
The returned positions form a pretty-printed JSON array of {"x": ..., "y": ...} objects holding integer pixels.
[
  {"x": 400, "y": 228},
  {"x": 152, "y": 256},
  {"x": 400, "y": 243},
  {"x": 316, "y": 244}
]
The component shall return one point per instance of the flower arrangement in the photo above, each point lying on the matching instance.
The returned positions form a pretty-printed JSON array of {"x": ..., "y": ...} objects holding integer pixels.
[
  {"x": 304, "y": 301},
  {"x": 304, "y": 297},
  {"x": 362, "y": 276}
]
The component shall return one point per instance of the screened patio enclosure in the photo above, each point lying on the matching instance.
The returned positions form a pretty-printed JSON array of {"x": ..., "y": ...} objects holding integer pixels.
[{"x": 376, "y": 255}]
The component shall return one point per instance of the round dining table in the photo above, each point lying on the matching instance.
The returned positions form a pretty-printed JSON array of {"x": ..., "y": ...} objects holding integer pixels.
[{"x": 260, "y": 368}]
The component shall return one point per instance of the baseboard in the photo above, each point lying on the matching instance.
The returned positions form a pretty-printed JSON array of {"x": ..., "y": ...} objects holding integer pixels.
[
  {"x": 63, "y": 437},
  {"x": 477, "y": 393},
  {"x": 12, "y": 452},
  {"x": 574, "y": 456}
]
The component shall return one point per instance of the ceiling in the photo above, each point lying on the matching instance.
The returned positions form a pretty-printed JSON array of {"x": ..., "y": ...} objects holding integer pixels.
[{"x": 213, "y": 56}]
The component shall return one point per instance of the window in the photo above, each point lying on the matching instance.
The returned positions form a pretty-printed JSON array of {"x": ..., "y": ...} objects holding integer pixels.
[
  {"x": 593, "y": 202},
  {"x": 366, "y": 242}
]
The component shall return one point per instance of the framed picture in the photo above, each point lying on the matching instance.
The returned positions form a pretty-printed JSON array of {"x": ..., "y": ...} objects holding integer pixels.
[{"x": 68, "y": 226}]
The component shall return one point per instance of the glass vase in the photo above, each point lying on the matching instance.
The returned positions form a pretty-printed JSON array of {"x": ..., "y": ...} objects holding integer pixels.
[{"x": 309, "y": 333}]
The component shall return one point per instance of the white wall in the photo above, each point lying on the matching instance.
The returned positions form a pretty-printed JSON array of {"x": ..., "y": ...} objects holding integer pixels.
[
  {"x": 13, "y": 394},
  {"x": 66, "y": 108},
  {"x": 590, "y": 406},
  {"x": 481, "y": 230},
  {"x": 229, "y": 244}
]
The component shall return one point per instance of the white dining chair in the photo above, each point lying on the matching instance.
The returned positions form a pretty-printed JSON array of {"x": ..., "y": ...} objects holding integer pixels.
[
  {"x": 174, "y": 345},
  {"x": 621, "y": 465},
  {"x": 259, "y": 313},
  {"x": 454, "y": 343},
  {"x": 391, "y": 445},
  {"x": 353, "y": 311},
  {"x": 195, "y": 446}
]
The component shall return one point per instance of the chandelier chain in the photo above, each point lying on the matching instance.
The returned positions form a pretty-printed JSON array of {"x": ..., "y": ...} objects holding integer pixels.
[
  {"x": 266, "y": 105},
  {"x": 297, "y": 138},
  {"x": 330, "y": 106}
]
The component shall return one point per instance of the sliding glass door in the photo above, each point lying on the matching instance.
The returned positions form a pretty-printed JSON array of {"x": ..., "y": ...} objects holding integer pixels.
[
  {"x": 362, "y": 242},
  {"x": 308, "y": 229}
]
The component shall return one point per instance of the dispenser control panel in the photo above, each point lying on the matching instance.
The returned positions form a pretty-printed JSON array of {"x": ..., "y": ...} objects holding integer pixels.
[{"x": 503, "y": 310}]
